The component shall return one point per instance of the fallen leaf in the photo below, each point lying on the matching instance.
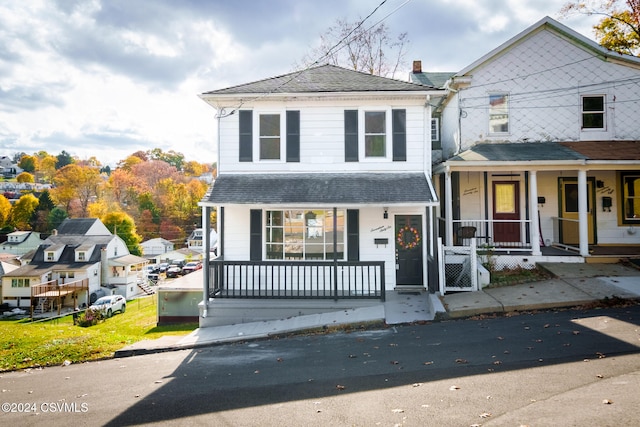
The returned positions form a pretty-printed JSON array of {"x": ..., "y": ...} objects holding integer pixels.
[
  {"x": 279, "y": 359},
  {"x": 395, "y": 362},
  {"x": 497, "y": 362},
  {"x": 461, "y": 361},
  {"x": 340, "y": 387},
  {"x": 428, "y": 363},
  {"x": 416, "y": 384},
  {"x": 398, "y": 411},
  {"x": 485, "y": 415},
  {"x": 454, "y": 387},
  {"x": 576, "y": 332},
  {"x": 600, "y": 355},
  {"x": 607, "y": 402}
]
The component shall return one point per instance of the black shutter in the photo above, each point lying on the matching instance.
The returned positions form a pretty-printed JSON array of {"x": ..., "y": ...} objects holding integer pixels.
[
  {"x": 246, "y": 135},
  {"x": 351, "y": 135},
  {"x": 293, "y": 136},
  {"x": 399, "y": 124},
  {"x": 255, "y": 232},
  {"x": 353, "y": 235}
]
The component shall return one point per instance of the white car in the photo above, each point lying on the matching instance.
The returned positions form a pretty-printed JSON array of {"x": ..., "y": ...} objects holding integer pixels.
[{"x": 110, "y": 304}]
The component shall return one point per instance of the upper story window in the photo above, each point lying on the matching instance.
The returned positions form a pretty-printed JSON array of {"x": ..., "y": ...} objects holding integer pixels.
[
  {"x": 498, "y": 113},
  {"x": 435, "y": 133},
  {"x": 631, "y": 198},
  {"x": 593, "y": 112},
  {"x": 51, "y": 256},
  {"x": 375, "y": 134},
  {"x": 275, "y": 136},
  {"x": 82, "y": 256},
  {"x": 269, "y": 136}
]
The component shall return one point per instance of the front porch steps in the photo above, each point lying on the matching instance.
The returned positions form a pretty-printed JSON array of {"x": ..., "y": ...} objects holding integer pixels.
[{"x": 146, "y": 289}]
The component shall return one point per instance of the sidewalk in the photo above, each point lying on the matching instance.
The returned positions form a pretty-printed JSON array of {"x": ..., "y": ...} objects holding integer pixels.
[{"x": 573, "y": 285}]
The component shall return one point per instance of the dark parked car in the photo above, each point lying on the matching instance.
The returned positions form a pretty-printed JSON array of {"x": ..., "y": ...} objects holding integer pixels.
[{"x": 174, "y": 271}]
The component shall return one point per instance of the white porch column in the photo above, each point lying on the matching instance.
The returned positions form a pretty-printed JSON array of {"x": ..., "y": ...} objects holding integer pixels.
[
  {"x": 534, "y": 230},
  {"x": 583, "y": 224},
  {"x": 448, "y": 208}
]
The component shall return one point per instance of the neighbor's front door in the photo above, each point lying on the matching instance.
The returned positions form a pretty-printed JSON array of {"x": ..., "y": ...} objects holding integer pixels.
[
  {"x": 408, "y": 243},
  {"x": 506, "y": 211},
  {"x": 569, "y": 211}
]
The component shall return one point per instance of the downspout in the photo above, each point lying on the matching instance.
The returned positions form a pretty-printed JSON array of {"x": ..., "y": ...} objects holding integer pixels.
[{"x": 335, "y": 253}]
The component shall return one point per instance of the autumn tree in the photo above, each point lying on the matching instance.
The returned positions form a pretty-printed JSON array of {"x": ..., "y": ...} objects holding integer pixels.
[
  {"x": 47, "y": 167},
  {"x": 23, "y": 210},
  {"x": 121, "y": 224},
  {"x": 5, "y": 211},
  {"x": 359, "y": 47},
  {"x": 619, "y": 28},
  {"x": 171, "y": 157},
  {"x": 28, "y": 163},
  {"x": 25, "y": 177},
  {"x": 76, "y": 182}
]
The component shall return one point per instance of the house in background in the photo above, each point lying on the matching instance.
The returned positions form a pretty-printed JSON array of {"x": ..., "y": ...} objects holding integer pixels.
[
  {"x": 8, "y": 168},
  {"x": 195, "y": 240},
  {"x": 21, "y": 242},
  {"x": 157, "y": 246},
  {"x": 73, "y": 267},
  {"x": 541, "y": 149},
  {"x": 323, "y": 194}
]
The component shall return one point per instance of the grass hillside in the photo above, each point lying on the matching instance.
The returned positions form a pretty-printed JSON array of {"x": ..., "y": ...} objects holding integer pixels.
[{"x": 47, "y": 343}]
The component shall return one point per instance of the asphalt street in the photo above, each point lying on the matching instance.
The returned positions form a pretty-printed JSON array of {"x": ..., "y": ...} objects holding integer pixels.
[{"x": 563, "y": 367}]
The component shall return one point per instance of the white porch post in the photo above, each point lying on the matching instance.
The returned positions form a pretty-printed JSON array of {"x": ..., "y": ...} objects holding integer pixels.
[
  {"x": 206, "y": 236},
  {"x": 534, "y": 230},
  {"x": 448, "y": 208},
  {"x": 583, "y": 224}
]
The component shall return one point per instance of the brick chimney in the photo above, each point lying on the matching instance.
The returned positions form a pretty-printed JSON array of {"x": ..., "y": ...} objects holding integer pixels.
[{"x": 417, "y": 67}]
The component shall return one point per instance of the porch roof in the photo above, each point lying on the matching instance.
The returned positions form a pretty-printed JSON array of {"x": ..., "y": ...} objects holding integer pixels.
[
  {"x": 322, "y": 189},
  {"x": 548, "y": 154}
]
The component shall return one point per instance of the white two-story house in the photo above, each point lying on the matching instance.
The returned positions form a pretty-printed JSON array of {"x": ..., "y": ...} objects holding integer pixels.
[
  {"x": 323, "y": 196},
  {"x": 541, "y": 149}
]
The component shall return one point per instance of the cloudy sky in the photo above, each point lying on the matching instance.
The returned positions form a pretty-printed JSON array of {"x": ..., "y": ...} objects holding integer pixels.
[{"x": 106, "y": 78}]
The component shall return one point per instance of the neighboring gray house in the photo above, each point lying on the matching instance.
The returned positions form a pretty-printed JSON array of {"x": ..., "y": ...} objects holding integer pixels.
[{"x": 21, "y": 242}]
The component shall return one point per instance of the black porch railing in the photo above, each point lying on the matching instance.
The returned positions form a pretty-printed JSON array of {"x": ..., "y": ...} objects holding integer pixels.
[{"x": 297, "y": 279}]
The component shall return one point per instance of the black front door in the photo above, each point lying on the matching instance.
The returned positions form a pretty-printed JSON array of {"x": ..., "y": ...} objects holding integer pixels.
[{"x": 408, "y": 242}]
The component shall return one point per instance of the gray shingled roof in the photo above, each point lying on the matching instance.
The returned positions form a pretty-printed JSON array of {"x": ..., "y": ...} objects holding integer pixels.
[
  {"x": 324, "y": 78},
  {"x": 516, "y": 152},
  {"x": 434, "y": 79},
  {"x": 334, "y": 189},
  {"x": 78, "y": 226}
]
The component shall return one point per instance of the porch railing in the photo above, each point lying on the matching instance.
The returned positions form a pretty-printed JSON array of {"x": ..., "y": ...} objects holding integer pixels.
[
  {"x": 297, "y": 279},
  {"x": 484, "y": 231}
]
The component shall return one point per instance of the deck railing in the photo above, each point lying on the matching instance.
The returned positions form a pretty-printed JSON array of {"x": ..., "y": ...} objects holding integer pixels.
[
  {"x": 297, "y": 279},
  {"x": 484, "y": 231}
]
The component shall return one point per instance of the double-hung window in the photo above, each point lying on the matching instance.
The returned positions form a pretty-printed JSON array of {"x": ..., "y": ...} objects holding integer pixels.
[
  {"x": 296, "y": 234},
  {"x": 498, "y": 113},
  {"x": 375, "y": 134},
  {"x": 593, "y": 112},
  {"x": 631, "y": 198},
  {"x": 269, "y": 136}
]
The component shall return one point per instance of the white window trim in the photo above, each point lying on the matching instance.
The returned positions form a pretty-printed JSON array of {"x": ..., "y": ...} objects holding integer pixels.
[
  {"x": 435, "y": 121},
  {"x": 388, "y": 138},
  {"x": 256, "y": 139},
  {"x": 604, "y": 112},
  {"x": 489, "y": 95}
]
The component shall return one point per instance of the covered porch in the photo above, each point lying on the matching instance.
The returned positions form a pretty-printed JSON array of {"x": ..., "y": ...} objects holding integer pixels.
[
  {"x": 535, "y": 200},
  {"x": 303, "y": 244}
]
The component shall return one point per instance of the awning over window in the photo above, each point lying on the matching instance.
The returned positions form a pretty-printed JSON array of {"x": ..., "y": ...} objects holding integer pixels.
[{"x": 322, "y": 189}]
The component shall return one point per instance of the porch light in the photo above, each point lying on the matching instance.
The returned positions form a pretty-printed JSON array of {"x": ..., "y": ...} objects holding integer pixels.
[{"x": 385, "y": 215}]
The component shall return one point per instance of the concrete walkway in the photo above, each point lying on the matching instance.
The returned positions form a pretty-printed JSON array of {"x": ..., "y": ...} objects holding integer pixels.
[{"x": 573, "y": 285}]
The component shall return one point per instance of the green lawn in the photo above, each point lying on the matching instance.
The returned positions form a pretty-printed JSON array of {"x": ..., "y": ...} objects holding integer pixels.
[{"x": 24, "y": 344}]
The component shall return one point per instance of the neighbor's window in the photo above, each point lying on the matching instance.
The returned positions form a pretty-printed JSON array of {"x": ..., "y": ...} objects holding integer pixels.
[
  {"x": 375, "y": 134},
  {"x": 499, "y": 113},
  {"x": 20, "y": 283},
  {"x": 81, "y": 256},
  {"x": 631, "y": 198},
  {"x": 435, "y": 133},
  {"x": 593, "y": 112},
  {"x": 269, "y": 136},
  {"x": 297, "y": 234}
]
